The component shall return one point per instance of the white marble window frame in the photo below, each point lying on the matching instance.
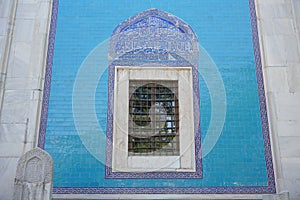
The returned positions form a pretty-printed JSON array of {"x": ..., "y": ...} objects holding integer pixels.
[{"x": 121, "y": 161}]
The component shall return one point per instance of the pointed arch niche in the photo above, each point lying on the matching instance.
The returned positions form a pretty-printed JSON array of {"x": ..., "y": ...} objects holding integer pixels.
[{"x": 153, "y": 48}]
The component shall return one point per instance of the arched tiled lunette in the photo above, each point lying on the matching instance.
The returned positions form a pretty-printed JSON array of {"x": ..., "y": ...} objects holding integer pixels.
[
  {"x": 158, "y": 39},
  {"x": 154, "y": 30}
]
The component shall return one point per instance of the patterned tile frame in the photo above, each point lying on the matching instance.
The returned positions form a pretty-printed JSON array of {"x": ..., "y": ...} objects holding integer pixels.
[
  {"x": 48, "y": 75},
  {"x": 150, "y": 52},
  {"x": 174, "y": 190}
]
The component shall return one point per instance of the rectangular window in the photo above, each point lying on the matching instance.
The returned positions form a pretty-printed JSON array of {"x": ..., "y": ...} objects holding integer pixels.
[{"x": 153, "y": 118}]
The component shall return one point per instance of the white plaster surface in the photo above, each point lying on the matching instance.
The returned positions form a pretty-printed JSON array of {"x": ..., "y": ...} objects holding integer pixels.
[
  {"x": 288, "y": 106},
  {"x": 4, "y": 18},
  {"x": 3, "y": 23},
  {"x": 4, "y": 11},
  {"x": 293, "y": 77},
  {"x": 289, "y": 147},
  {"x": 12, "y": 132},
  {"x": 288, "y": 128},
  {"x": 2, "y": 45},
  {"x": 272, "y": 75},
  {"x": 296, "y": 5},
  {"x": 24, "y": 30},
  {"x": 274, "y": 9},
  {"x": 23, "y": 83},
  {"x": 281, "y": 49},
  {"x": 291, "y": 174},
  {"x": 8, "y": 168},
  {"x": 27, "y": 9}
]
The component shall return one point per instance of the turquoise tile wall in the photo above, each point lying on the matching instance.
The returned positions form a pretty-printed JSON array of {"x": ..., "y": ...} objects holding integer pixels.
[{"x": 223, "y": 29}]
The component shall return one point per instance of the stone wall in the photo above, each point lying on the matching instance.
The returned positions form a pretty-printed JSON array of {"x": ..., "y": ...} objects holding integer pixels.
[
  {"x": 279, "y": 37},
  {"x": 23, "y": 38},
  {"x": 24, "y": 27}
]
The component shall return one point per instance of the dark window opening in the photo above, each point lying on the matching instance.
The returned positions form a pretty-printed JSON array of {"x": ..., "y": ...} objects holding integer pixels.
[{"x": 153, "y": 118}]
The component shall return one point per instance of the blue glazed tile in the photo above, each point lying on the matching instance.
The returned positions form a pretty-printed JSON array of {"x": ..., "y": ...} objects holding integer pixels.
[{"x": 240, "y": 162}]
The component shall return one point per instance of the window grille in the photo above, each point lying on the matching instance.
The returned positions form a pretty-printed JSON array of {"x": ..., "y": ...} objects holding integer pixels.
[{"x": 153, "y": 118}]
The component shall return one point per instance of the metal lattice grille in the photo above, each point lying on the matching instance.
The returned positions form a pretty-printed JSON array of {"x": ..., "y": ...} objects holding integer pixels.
[{"x": 153, "y": 118}]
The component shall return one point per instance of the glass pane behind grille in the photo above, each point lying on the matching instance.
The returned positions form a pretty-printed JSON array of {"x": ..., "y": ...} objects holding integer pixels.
[{"x": 153, "y": 118}]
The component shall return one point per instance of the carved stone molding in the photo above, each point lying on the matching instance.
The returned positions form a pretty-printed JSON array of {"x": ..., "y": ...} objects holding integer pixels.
[{"x": 34, "y": 176}]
